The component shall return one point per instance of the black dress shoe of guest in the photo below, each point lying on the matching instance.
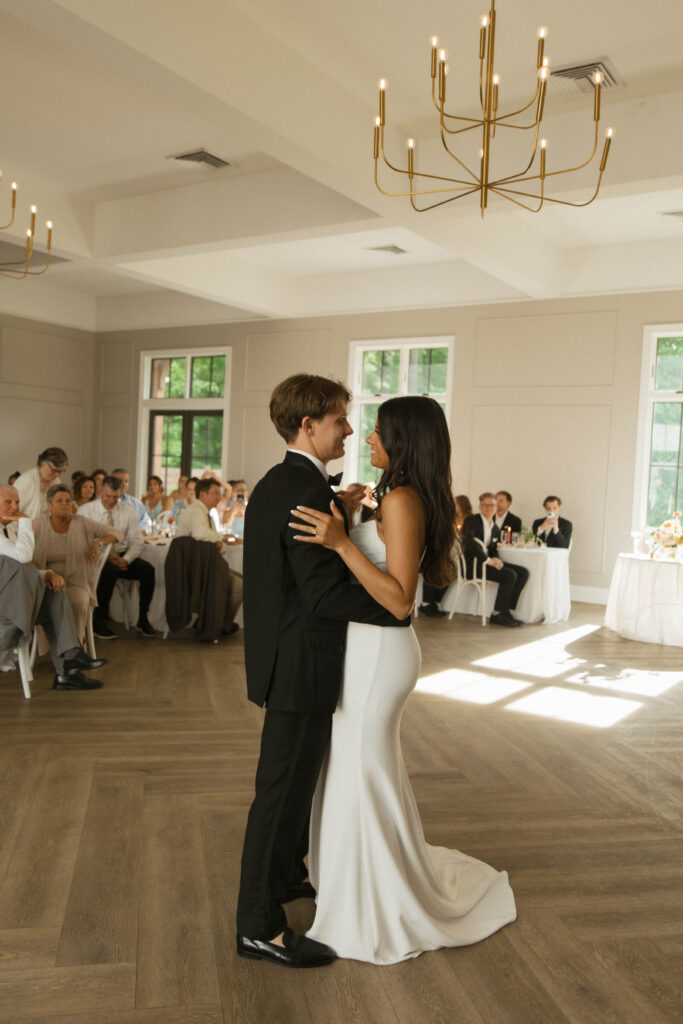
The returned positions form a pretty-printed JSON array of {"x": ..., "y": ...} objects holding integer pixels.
[
  {"x": 300, "y": 891},
  {"x": 103, "y": 632},
  {"x": 504, "y": 619},
  {"x": 432, "y": 611},
  {"x": 298, "y": 951},
  {"x": 82, "y": 661},
  {"x": 75, "y": 681},
  {"x": 145, "y": 627}
]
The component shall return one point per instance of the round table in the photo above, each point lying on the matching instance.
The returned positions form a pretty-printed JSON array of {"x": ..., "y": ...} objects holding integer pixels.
[{"x": 646, "y": 600}]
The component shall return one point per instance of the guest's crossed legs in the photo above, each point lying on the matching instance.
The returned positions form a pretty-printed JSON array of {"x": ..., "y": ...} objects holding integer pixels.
[{"x": 293, "y": 746}]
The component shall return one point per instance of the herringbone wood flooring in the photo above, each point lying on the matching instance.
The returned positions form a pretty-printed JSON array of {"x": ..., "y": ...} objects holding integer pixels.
[{"x": 122, "y": 813}]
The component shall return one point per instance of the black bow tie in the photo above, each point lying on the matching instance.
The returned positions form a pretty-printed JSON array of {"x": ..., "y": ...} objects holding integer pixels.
[{"x": 334, "y": 479}]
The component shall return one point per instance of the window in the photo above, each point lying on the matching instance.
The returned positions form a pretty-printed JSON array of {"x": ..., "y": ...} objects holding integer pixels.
[
  {"x": 183, "y": 414},
  {"x": 381, "y": 370},
  {"x": 659, "y": 484}
]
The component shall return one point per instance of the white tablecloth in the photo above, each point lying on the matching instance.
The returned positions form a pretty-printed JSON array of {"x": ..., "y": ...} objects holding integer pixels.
[
  {"x": 646, "y": 600},
  {"x": 546, "y": 595},
  {"x": 155, "y": 552}
]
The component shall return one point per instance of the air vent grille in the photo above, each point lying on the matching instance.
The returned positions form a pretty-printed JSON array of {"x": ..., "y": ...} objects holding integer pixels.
[
  {"x": 671, "y": 213},
  {"x": 576, "y": 79},
  {"x": 201, "y": 156},
  {"x": 395, "y": 249}
]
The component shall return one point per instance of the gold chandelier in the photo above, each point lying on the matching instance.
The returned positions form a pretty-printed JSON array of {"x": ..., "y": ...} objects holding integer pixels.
[
  {"x": 531, "y": 196},
  {"x": 18, "y": 269}
]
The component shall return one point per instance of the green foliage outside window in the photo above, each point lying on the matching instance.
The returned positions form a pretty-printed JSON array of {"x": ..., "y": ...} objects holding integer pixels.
[
  {"x": 208, "y": 377},
  {"x": 427, "y": 371},
  {"x": 380, "y": 372},
  {"x": 669, "y": 368},
  {"x": 168, "y": 378},
  {"x": 665, "y": 494}
]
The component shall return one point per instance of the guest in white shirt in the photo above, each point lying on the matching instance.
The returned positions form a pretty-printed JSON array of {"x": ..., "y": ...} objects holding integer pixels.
[
  {"x": 28, "y": 596},
  {"x": 196, "y": 522},
  {"x": 128, "y": 499},
  {"x": 124, "y": 561},
  {"x": 32, "y": 486},
  {"x": 480, "y": 544}
]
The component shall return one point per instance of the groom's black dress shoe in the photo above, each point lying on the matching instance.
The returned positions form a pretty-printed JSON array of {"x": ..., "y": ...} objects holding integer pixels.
[
  {"x": 298, "y": 951},
  {"x": 75, "y": 681},
  {"x": 302, "y": 890}
]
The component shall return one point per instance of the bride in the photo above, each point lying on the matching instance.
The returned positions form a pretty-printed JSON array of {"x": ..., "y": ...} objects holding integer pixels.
[{"x": 383, "y": 894}]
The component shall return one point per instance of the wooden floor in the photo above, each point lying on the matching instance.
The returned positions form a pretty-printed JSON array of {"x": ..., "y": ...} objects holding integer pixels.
[{"x": 122, "y": 813}]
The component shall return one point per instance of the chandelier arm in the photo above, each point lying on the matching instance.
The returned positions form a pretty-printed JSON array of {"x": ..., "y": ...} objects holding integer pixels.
[
  {"x": 424, "y": 192},
  {"x": 521, "y": 109},
  {"x": 459, "y": 131},
  {"x": 530, "y": 209},
  {"x": 567, "y": 170},
  {"x": 442, "y": 202},
  {"x": 457, "y": 159},
  {"x": 516, "y": 177},
  {"x": 423, "y": 174}
]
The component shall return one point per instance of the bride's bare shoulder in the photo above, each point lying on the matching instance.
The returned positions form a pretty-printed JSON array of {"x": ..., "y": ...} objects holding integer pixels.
[{"x": 403, "y": 501}]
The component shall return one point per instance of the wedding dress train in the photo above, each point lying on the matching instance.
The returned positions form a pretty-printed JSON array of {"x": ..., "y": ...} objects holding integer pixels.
[{"x": 384, "y": 894}]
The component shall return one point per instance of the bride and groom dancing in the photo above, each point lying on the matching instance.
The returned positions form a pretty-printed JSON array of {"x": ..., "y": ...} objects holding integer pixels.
[{"x": 334, "y": 663}]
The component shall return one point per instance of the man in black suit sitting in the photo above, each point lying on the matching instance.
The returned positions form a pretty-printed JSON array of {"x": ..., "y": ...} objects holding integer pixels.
[
  {"x": 480, "y": 539},
  {"x": 554, "y": 530},
  {"x": 504, "y": 517},
  {"x": 298, "y": 600}
]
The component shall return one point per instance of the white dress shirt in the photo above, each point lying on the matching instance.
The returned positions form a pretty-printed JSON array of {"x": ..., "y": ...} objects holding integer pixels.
[
  {"x": 19, "y": 542},
  {"x": 195, "y": 521},
  {"x": 488, "y": 528},
  {"x": 123, "y": 518}
]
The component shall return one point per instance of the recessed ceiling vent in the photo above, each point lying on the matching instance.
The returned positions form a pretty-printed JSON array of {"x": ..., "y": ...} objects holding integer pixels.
[
  {"x": 396, "y": 249},
  {"x": 671, "y": 213},
  {"x": 576, "y": 79},
  {"x": 201, "y": 156}
]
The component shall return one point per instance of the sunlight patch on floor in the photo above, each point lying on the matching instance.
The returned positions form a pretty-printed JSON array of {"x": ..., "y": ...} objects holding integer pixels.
[
  {"x": 541, "y": 659},
  {"x": 572, "y": 706},
  {"x": 630, "y": 680},
  {"x": 472, "y": 687}
]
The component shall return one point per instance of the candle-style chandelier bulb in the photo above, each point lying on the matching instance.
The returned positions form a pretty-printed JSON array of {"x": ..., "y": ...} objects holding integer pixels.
[{"x": 18, "y": 269}]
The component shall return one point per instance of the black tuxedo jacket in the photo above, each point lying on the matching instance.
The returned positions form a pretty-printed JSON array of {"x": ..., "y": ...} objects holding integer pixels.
[
  {"x": 513, "y": 521},
  {"x": 473, "y": 542},
  {"x": 560, "y": 539},
  {"x": 298, "y": 597}
]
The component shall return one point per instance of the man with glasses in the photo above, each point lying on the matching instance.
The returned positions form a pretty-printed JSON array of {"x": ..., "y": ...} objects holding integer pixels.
[
  {"x": 33, "y": 485},
  {"x": 480, "y": 540}
]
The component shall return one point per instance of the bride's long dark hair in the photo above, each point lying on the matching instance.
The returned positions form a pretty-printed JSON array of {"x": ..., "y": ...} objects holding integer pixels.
[{"x": 414, "y": 434}]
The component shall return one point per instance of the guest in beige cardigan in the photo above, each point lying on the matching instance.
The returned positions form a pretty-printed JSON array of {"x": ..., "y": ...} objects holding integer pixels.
[{"x": 67, "y": 546}]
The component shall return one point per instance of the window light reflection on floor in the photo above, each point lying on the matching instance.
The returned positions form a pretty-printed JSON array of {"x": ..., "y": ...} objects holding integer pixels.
[
  {"x": 572, "y": 706},
  {"x": 630, "y": 680},
  {"x": 542, "y": 659},
  {"x": 472, "y": 687}
]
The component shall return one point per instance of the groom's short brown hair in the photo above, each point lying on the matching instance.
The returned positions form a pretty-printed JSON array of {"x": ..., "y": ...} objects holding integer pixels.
[{"x": 305, "y": 394}]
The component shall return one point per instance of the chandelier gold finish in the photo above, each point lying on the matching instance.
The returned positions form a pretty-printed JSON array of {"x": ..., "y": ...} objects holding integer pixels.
[
  {"x": 18, "y": 269},
  {"x": 532, "y": 178}
]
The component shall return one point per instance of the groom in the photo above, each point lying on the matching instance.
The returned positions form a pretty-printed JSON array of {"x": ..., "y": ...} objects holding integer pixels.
[{"x": 298, "y": 599}]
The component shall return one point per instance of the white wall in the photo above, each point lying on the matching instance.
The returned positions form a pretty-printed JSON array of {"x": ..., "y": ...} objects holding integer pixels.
[
  {"x": 46, "y": 389},
  {"x": 545, "y": 398}
]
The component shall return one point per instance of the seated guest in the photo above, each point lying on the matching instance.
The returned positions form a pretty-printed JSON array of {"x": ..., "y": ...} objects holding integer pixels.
[
  {"x": 233, "y": 517},
  {"x": 128, "y": 499},
  {"x": 504, "y": 517},
  {"x": 182, "y": 503},
  {"x": 553, "y": 529},
  {"x": 69, "y": 545},
  {"x": 180, "y": 493},
  {"x": 480, "y": 535},
  {"x": 98, "y": 476},
  {"x": 32, "y": 486},
  {"x": 13, "y": 476},
  {"x": 29, "y": 597},
  {"x": 154, "y": 501},
  {"x": 123, "y": 562},
  {"x": 196, "y": 522},
  {"x": 84, "y": 490},
  {"x": 463, "y": 509},
  {"x": 75, "y": 475}
]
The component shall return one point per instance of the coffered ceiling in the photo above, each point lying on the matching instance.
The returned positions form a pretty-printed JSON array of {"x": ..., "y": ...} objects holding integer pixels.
[{"x": 98, "y": 95}]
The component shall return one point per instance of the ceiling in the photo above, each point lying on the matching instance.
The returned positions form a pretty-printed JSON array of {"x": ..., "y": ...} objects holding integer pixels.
[{"x": 286, "y": 93}]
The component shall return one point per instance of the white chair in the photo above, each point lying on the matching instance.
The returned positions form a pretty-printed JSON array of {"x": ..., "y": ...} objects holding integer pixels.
[
  {"x": 89, "y": 634},
  {"x": 24, "y": 662},
  {"x": 127, "y": 594},
  {"x": 418, "y": 594},
  {"x": 450, "y": 598}
]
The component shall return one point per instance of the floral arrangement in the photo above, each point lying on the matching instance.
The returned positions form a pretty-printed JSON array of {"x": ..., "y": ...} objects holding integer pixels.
[{"x": 666, "y": 541}]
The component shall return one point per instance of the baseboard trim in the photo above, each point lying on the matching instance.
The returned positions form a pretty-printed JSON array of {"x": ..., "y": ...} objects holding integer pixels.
[{"x": 591, "y": 595}]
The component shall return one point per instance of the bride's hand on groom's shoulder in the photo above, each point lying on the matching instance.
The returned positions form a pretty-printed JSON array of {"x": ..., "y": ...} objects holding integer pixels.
[{"x": 320, "y": 528}]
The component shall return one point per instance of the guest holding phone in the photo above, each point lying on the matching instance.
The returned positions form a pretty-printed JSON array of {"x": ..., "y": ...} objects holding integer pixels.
[{"x": 555, "y": 531}]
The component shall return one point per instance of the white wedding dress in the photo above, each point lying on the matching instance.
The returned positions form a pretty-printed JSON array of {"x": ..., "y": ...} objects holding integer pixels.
[{"x": 384, "y": 894}]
